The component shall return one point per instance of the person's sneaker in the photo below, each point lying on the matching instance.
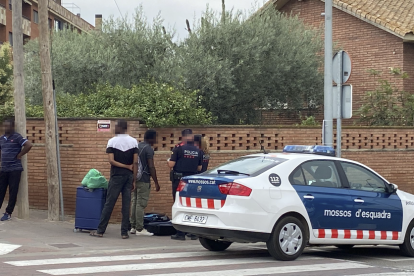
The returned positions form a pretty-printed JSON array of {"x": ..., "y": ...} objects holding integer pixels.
[
  {"x": 144, "y": 232},
  {"x": 133, "y": 231},
  {"x": 5, "y": 217},
  {"x": 178, "y": 237}
]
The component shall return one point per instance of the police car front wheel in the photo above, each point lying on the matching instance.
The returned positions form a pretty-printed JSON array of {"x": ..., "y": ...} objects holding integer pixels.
[
  {"x": 408, "y": 246},
  {"x": 214, "y": 245},
  {"x": 288, "y": 239}
]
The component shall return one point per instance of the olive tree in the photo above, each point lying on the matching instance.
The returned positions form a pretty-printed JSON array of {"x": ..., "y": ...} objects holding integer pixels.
[
  {"x": 238, "y": 62},
  {"x": 124, "y": 53},
  {"x": 247, "y": 62}
]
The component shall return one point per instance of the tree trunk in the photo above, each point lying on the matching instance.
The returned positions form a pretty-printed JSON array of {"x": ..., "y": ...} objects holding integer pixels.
[
  {"x": 49, "y": 111},
  {"x": 19, "y": 102}
]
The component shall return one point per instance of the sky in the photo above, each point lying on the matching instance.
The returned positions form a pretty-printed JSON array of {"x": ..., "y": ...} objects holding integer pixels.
[{"x": 174, "y": 12}]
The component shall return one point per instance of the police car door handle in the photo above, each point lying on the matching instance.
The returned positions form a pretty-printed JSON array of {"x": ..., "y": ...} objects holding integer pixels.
[
  {"x": 358, "y": 200},
  {"x": 308, "y": 197}
]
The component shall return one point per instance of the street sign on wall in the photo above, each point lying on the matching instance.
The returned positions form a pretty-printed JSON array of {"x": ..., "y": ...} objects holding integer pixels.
[{"x": 104, "y": 125}]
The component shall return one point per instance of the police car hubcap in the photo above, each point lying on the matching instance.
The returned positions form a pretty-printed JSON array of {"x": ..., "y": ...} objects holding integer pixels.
[
  {"x": 290, "y": 238},
  {"x": 412, "y": 238}
]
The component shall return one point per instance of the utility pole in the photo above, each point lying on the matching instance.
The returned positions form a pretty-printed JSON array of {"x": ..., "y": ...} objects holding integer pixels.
[
  {"x": 19, "y": 102},
  {"x": 328, "y": 97},
  {"x": 49, "y": 113},
  {"x": 339, "y": 108},
  {"x": 223, "y": 11}
]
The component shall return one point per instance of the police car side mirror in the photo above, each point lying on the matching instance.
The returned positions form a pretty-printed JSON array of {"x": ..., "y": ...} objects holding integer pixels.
[{"x": 393, "y": 188}]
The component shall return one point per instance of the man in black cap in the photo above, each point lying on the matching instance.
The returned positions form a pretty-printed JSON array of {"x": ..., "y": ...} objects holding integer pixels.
[{"x": 186, "y": 159}]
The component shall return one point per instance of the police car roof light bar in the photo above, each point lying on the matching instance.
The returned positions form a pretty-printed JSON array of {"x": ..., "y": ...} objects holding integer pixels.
[{"x": 317, "y": 149}]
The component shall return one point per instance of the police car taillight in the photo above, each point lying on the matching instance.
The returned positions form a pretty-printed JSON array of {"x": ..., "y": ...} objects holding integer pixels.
[
  {"x": 181, "y": 186},
  {"x": 235, "y": 189},
  {"x": 320, "y": 150}
]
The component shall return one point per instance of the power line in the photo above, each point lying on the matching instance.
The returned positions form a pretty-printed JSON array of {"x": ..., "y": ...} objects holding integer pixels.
[{"x": 119, "y": 10}]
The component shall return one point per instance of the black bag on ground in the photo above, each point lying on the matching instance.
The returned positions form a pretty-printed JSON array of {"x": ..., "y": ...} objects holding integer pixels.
[
  {"x": 159, "y": 224},
  {"x": 155, "y": 217},
  {"x": 161, "y": 228}
]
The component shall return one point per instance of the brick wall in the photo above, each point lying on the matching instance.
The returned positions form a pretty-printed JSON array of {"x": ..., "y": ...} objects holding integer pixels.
[
  {"x": 368, "y": 46},
  {"x": 387, "y": 150},
  {"x": 394, "y": 165},
  {"x": 56, "y": 11},
  {"x": 270, "y": 117}
]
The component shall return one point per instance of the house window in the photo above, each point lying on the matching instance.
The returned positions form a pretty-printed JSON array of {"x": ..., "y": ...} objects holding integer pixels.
[
  {"x": 10, "y": 4},
  {"x": 58, "y": 25},
  {"x": 50, "y": 23},
  {"x": 35, "y": 17},
  {"x": 11, "y": 38}
]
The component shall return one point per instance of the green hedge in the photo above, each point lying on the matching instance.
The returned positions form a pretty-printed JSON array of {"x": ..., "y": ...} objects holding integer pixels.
[{"x": 158, "y": 105}]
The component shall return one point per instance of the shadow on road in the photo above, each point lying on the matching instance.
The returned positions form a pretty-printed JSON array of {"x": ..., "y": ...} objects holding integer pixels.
[{"x": 357, "y": 252}]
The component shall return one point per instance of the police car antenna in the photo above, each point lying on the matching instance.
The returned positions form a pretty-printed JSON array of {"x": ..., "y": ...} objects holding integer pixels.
[{"x": 262, "y": 148}]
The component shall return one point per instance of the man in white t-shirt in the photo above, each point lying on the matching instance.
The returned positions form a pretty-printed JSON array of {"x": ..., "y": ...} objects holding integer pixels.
[{"x": 123, "y": 156}]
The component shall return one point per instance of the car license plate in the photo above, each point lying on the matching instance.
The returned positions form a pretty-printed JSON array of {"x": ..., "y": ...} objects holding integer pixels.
[{"x": 195, "y": 219}]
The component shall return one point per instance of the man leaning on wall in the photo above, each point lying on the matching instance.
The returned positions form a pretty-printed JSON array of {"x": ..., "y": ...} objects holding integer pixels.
[{"x": 13, "y": 147}]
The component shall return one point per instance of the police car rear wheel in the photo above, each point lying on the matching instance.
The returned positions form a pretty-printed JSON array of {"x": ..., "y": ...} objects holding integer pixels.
[
  {"x": 214, "y": 245},
  {"x": 408, "y": 246},
  {"x": 287, "y": 240}
]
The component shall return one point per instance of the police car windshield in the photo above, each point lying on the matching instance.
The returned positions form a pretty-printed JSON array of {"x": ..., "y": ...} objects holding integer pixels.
[{"x": 249, "y": 165}]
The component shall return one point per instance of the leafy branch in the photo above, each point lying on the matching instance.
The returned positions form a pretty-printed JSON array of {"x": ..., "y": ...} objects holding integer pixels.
[{"x": 387, "y": 105}]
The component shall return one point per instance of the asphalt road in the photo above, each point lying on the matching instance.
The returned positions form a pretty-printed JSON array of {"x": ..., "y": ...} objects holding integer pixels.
[{"x": 189, "y": 258}]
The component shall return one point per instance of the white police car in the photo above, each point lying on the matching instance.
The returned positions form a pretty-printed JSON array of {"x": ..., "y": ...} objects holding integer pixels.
[{"x": 293, "y": 199}]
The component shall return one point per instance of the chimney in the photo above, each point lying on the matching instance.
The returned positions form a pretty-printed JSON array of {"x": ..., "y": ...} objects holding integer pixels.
[
  {"x": 98, "y": 22},
  {"x": 78, "y": 15}
]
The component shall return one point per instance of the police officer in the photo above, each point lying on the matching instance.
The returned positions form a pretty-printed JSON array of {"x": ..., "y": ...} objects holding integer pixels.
[
  {"x": 186, "y": 159},
  {"x": 201, "y": 143},
  {"x": 186, "y": 134}
]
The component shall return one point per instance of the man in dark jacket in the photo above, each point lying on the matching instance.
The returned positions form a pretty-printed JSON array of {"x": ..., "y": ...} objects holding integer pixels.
[{"x": 185, "y": 160}]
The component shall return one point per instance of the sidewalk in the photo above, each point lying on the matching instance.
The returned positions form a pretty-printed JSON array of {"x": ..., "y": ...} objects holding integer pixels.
[{"x": 38, "y": 235}]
